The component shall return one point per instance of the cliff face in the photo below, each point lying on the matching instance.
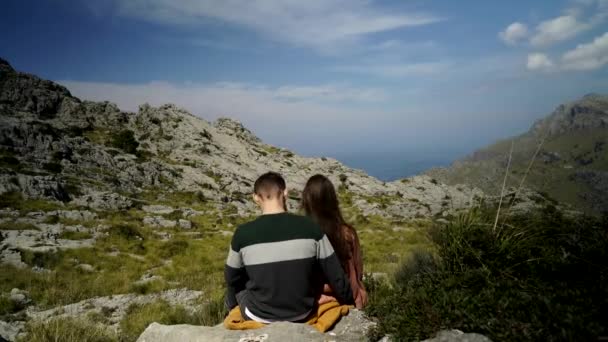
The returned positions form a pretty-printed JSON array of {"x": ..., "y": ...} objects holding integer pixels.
[{"x": 570, "y": 167}]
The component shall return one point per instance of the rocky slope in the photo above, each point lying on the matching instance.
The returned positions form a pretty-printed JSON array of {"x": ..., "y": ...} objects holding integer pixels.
[{"x": 571, "y": 165}]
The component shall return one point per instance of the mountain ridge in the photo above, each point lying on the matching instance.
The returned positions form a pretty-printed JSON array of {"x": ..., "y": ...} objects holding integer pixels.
[
  {"x": 567, "y": 149},
  {"x": 46, "y": 127}
]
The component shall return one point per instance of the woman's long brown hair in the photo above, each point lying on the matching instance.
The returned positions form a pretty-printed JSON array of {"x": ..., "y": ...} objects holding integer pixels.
[{"x": 320, "y": 202}]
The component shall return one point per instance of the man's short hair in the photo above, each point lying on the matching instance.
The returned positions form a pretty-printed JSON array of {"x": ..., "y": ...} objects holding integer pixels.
[{"x": 269, "y": 185}]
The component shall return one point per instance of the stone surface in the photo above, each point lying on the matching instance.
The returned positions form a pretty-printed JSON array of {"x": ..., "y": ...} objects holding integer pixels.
[
  {"x": 457, "y": 336},
  {"x": 104, "y": 201},
  {"x": 353, "y": 327},
  {"x": 10, "y": 330},
  {"x": 185, "y": 224},
  {"x": 115, "y": 307},
  {"x": 159, "y": 222}
]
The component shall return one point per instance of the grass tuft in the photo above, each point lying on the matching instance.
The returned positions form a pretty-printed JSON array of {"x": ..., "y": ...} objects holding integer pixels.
[{"x": 67, "y": 330}]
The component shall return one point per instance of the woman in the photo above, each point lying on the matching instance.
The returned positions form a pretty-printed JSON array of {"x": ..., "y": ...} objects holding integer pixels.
[{"x": 320, "y": 202}]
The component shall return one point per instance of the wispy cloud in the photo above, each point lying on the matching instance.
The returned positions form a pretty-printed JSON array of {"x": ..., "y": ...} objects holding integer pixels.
[
  {"x": 539, "y": 61},
  {"x": 585, "y": 57},
  {"x": 590, "y": 56},
  {"x": 558, "y": 29},
  {"x": 582, "y": 16},
  {"x": 395, "y": 70},
  {"x": 514, "y": 33},
  {"x": 317, "y": 24}
]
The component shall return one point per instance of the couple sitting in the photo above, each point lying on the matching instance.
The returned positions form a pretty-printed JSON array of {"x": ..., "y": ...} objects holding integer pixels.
[{"x": 282, "y": 266}]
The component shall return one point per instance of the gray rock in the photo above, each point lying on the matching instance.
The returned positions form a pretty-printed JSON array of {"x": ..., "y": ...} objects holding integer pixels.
[
  {"x": 157, "y": 209},
  {"x": 353, "y": 327},
  {"x": 76, "y": 215},
  {"x": 185, "y": 224},
  {"x": 117, "y": 305},
  {"x": 11, "y": 330},
  {"x": 19, "y": 297},
  {"x": 11, "y": 256},
  {"x": 457, "y": 336},
  {"x": 104, "y": 201},
  {"x": 86, "y": 268},
  {"x": 159, "y": 222}
]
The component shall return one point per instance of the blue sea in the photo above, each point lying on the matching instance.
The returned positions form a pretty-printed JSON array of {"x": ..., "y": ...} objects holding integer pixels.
[{"x": 392, "y": 167}]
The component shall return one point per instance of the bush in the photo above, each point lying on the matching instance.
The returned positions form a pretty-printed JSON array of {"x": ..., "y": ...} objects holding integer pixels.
[
  {"x": 127, "y": 232},
  {"x": 125, "y": 140},
  {"x": 52, "y": 167},
  {"x": 539, "y": 276}
]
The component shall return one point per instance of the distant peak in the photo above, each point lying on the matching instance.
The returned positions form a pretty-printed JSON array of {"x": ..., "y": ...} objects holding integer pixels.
[
  {"x": 5, "y": 65},
  {"x": 235, "y": 127}
]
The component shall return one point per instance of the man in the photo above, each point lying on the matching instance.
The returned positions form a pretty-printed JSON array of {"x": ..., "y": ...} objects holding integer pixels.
[{"x": 278, "y": 262}]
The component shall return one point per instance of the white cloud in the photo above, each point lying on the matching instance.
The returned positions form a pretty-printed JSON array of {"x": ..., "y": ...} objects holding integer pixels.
[
  {"x": 582, "y": 16},
  {"x": 539, "y": 61},
  {"x": 318, "y": 24},
  {"x": 514, "y": 33},
  {"x": 395, "y": 70},
  {"x": 588, "y": 56},
  {"x": 558, "y": 29}
]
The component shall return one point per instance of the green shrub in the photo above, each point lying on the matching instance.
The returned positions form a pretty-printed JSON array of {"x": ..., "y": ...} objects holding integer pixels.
[
  {"x": 172, "y": 248},
  {"x": 74, "y": 235},
  {"x": 125, "y": 140},
  {"x": 17, "y": 225},
  {"x": 52, "y": 167},
  {"x": 538, "y": 276},
  {"x": 10, "y": 162},
  {"x": 126, "y": 231},
  {"x": 7, "y": 306}
]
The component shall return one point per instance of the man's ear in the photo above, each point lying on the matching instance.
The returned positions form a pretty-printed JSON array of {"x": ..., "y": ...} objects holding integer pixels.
[
  {"x": 257, "y": 199},
  {"x": 285, "y": 192}
]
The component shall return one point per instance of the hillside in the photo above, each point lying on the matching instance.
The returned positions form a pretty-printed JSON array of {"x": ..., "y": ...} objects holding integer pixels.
[
  {"x": 571, "y": 165},
  {"x": 111, "y": 220}
]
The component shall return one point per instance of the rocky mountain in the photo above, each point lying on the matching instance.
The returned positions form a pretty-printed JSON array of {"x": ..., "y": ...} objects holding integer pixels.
[
  {"x": 110, "y": 220},
  {"x": 58, "y": 147},
  {"x": 563, "y": 156}
]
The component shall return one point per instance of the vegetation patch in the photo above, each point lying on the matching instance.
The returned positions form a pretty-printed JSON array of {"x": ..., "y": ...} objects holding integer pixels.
[
  {"x": 75, "y": 235},
  {"x": 17, "y": 225},
  {"x": 538, "y": 276},
  {"x": 125, "y": 140},
  {"x": 67, "y": 330}
]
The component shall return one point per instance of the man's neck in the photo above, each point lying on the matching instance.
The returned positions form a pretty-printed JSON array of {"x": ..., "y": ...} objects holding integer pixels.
[{"x": 273, "y": 209}]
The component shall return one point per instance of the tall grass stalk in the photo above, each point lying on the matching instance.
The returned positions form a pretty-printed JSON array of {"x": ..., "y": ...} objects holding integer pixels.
[
  {"x": 502, "y": 191},
  {"x": 523, "y": 179}
]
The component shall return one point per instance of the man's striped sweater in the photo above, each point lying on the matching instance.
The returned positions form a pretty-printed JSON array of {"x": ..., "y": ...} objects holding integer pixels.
[{"x": 277, "y": 266}]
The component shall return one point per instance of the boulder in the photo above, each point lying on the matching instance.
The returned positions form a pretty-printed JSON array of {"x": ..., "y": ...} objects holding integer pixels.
[
  {"x": 159, "y": 222},
  {"x": 457, "y": 336},
  {"x": 353, "y": 327},
  {"x": 157, "y": 209},
  {"x": 185, "y": 224},
  {"x": 104, "y": 201},
  {"x": 9, "y": 331}
]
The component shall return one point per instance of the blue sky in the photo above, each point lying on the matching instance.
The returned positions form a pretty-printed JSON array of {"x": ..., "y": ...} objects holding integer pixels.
[{"x": 389, "y": 86}]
